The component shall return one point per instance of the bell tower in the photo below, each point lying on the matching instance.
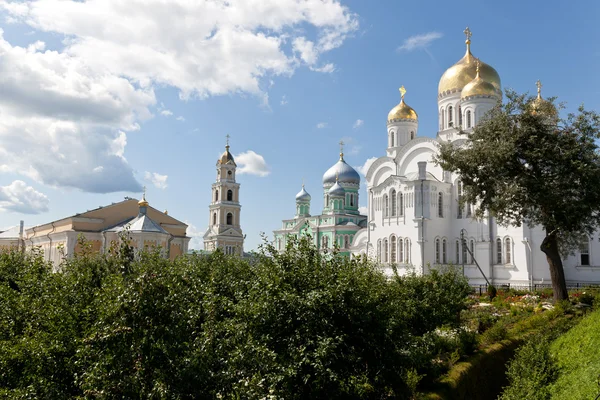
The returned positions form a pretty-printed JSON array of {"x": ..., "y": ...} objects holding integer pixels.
[{"x": 224, "y": 230}]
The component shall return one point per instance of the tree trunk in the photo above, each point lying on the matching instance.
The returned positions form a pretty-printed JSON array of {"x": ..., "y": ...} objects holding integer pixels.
[{"x": 550, "y": 247}]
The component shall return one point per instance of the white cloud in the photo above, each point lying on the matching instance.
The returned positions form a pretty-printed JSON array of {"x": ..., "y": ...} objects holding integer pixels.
[
  {"x": 358, "y": 123},
  {"x": 421, "y": 41},
  {"x": 283, "y": 101},
  {"x": 158, "y": 180},
  {"x": 180, "y": 119},
  {"x": 363, "y": 210},
  {"x": 252, "y": 164},
  {"x": 322, "y": 125},
  {"x": 363, "y": 169},
  {"x": 20, "y": 198},
  {"x": 166, "y": 113},
  {"x": 64, "y": 114},
  {"x": 326, "y": 69},
  {"x": 197, "y": 240}
]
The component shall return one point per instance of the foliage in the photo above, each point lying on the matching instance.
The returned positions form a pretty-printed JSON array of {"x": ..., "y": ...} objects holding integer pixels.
[
  {"x": 522, "y": 164},
  {"x": 295, "y": 325},
  {"x": 531, "y": 372}
]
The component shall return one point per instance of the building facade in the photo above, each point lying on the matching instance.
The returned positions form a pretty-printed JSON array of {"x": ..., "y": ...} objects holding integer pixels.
[
  {"x": 224, "y": 229},
  {"x": 101, "y": 228},
  {"x": 340, "y": 219},
  {"x": 415, "y": 217}
]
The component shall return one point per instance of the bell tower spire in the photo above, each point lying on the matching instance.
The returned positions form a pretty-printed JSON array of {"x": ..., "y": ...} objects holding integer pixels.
[{"x": 224, "y": 229}]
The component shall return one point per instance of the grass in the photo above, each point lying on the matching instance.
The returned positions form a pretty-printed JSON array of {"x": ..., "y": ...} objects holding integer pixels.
[{"x": 577, "y": 353}]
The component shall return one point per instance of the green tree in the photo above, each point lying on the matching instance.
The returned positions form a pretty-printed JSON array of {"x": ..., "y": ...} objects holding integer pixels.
[{"x": 524, "y": 164}]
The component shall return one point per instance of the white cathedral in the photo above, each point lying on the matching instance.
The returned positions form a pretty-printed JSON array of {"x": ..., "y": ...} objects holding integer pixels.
[{"x": 415, "y": 220}]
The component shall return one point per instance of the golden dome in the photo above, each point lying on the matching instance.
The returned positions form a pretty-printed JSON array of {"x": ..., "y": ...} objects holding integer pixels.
[
  {"x": 478, "y": 86},
  {"x": 539, "y": 104},
  {"x": 143, "y": 202},
  {"x": 226, "y": 157},
  {"x": 464, "y": 71},
  {"x": 402, "y": 110}
]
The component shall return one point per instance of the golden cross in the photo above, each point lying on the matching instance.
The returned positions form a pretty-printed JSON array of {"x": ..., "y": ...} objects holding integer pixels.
[
  {"x": 539, "y": 86},
  {"x": 468, "y": 33},
  {"x": 402, "y": 92}
]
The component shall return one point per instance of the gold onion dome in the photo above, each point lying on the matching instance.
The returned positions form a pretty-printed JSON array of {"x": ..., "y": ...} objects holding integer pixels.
[
  {"x": 464, "y": 71},
  {"x": 402, "y": 110},
  {"x": 540, "y": 104},
  {"x": 478, "y": 86},
  {"x": 226, "y": 157},
  {"x": 143, "y": 202}
]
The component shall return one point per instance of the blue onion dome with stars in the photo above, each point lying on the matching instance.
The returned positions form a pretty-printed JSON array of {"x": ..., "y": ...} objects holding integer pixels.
[
  {"x": 343, "y": 172},
  {"x": 303, "y": 195}
]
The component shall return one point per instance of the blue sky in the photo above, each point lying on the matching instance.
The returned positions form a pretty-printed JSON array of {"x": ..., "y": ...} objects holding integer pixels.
[{"x": 99, "y": 98}]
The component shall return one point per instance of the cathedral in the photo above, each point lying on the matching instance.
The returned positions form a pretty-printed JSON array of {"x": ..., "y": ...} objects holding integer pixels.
[{"x": 415, "y": 219}]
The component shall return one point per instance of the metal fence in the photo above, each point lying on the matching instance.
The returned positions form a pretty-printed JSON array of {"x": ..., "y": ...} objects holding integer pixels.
[{"x": 481, "y": 289}]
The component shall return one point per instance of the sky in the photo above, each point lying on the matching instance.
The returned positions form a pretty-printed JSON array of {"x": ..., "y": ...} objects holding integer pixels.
[{"x": 99, "y": 98}]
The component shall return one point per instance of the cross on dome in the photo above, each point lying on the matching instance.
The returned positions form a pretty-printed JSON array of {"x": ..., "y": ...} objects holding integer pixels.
[
  {"x": 341, "y": 149},
  {"x": 227, "y": 140},
  {"x": 468, "y": 34},
  {"x": 539, "y": 88},
  {"x": 402, "y": 91}
]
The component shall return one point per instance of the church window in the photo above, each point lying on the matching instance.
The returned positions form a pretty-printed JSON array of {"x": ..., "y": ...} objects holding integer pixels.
[
  {"x": 216, "y": 195},
  {"x": 457, "y": 259},
  {"x": 464, "y": 251},
  {"x": 444, "y": 257},
  {"x": 442, "y": 125},
  {"x": 385, "y": 251},
  {"x": 229, "y": 219},
  {"x": 392, "y": 134},
  {"x": 507, "y": 250},
  {"x": 498, "y": 251},
  {"x": 393, "y": 196},
  {"x": 407, "y": 252},
  {"x": 440, "y": 205},
  {"x": 472, "y": 247},
  {"x": 346, "y": 241},
  {"x": 468, "y": 118},
  {"x": 584, "y": 251},
  {"x": 459, "y": 116},
  {"x": 459, "y": 190},
  {"x": 351, "y": 200},
  {"x": 412, "y": 135},
  {"x": 214, "y": 218},
  {"x": 386, "y": 205},
  {"x": 393, "y": 249},
  {"x": 327, "y": 199},
  {"x": 469, "y": 210},
  {"x": 230, "y": 195},
  {"x": 400, "y": 204},
  {"x": 437, "y": 251},
  {"x": 450, "y": 123},
  {"x": 400, "y": 250}
]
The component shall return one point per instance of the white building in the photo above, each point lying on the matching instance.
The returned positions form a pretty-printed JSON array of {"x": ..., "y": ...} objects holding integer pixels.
[{"x": 414, "y": 217}]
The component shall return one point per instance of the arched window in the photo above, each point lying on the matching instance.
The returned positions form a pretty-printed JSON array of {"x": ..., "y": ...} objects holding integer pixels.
[
  {"x": 437, "y": 251},
  {"x": 584, "y": 251},
  {"x": 498, "y": 251},
  {"x": 346, "y": 241},
  {"x": 469, "y": 210},
  {"x": 351, "y": 200},
  {"x": 229, "y": 219},
  {"x": 216, "y": 195},
  {"x": 400, "y": 204},
  {"x": 214, "y": 218},
  {"x": 450, "y": 120},
  {"x": 459, "y": 193},
  {"x": 472, "y": 248},
  {"x": 392, "y": 134},
  {"x": 440, "y": 205},
  {"x": 442, "y": 125},
  {"x": 459, "y": 116},
  {"x": 444, "y": 253},
  {"x": 229, "y": 195},
  {"x": 457, "y": 259},
  {"x": 412, "y": 135},
  {"x": 385, "y": 251},
  {"x": 468, "y": 118},
  {"x": 507, "y": 248},
  {"x": 393, "y": 196},
  {"x": 386, "y": 205},
  {"x": 407, "y": 251},
  {"x": 400, "y": 250},
  {"x": 325, "y": 242},
  {"x": 464, "y": 252},
  {"x": 393, "y": 249}
]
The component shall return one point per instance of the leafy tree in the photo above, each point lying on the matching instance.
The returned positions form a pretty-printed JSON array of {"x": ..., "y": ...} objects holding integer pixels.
[{"x": 523, "y": 163}]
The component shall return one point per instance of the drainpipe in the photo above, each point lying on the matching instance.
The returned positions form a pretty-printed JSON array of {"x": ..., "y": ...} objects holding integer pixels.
[
  {"x": 50, "y": 239},
  {"x": 171, "y": 237},
  {"x": 21, "y": 243}
]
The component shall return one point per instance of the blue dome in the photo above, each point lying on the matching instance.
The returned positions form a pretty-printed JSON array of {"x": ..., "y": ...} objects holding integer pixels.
[
  {"x": 303, "y": 195},
  {"x": 344, "y": 173},
  {"x": 336, "y": 190}
]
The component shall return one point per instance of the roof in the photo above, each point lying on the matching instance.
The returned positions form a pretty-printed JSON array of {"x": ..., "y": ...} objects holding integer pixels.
[
  {"x": 10, "y": 233},
  {"x": 141, "y": 223}
]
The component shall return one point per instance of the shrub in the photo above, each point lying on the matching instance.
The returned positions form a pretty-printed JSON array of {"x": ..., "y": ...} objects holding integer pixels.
[{"x": 495, "y": 334}]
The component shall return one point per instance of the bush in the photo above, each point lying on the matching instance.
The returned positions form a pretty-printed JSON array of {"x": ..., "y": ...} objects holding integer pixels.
[
  {"x": 496, "y": 333},
  {"x": 531, "y": 372}
]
